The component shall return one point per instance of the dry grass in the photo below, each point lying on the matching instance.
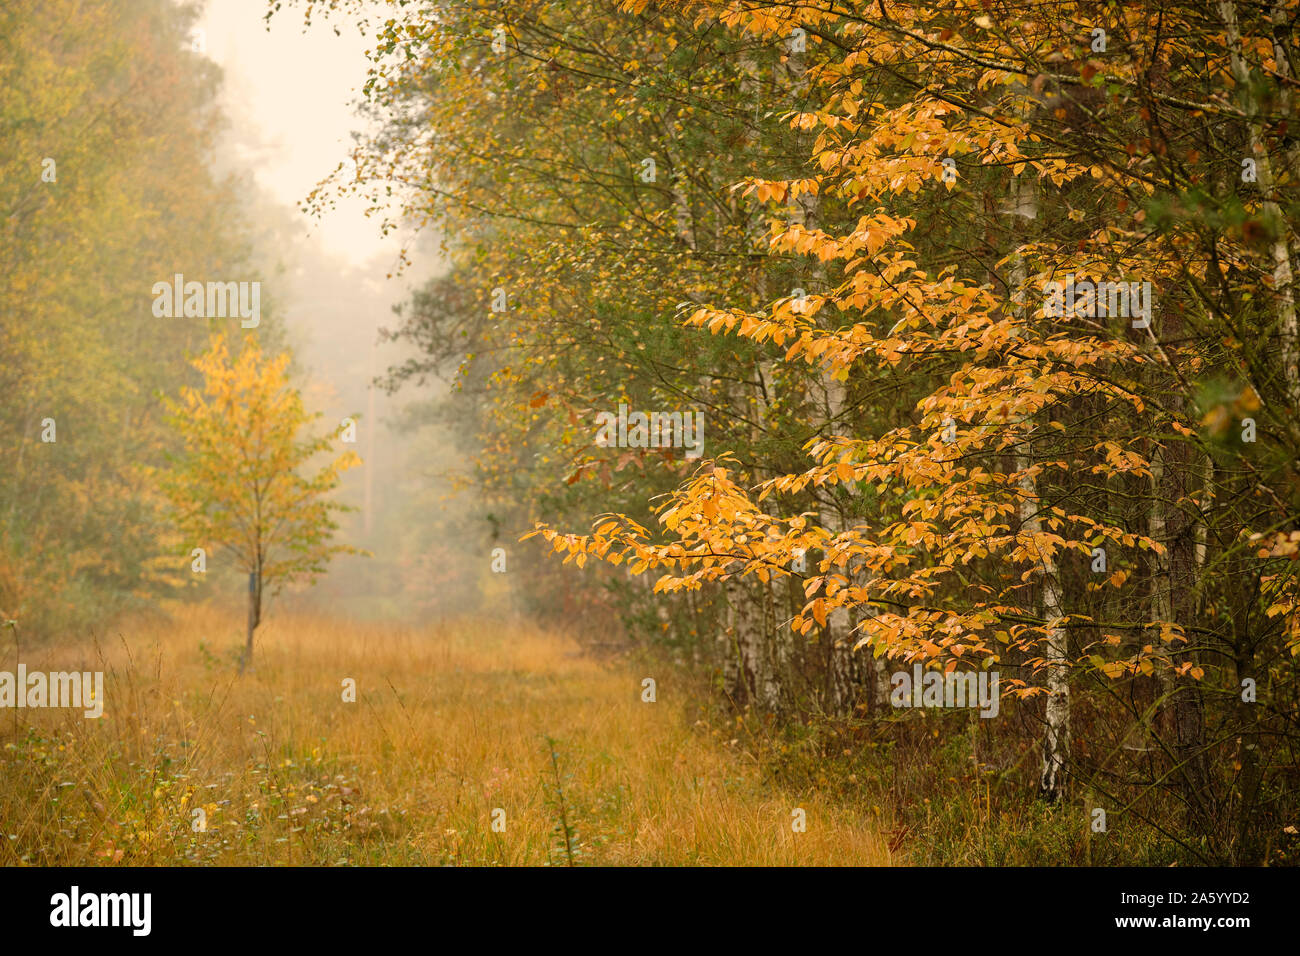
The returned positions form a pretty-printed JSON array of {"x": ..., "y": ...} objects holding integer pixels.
[{"x": 448, "y": 724}]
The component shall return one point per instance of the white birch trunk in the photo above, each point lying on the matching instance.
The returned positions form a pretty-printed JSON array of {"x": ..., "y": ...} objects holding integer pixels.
[
  {"x": 1280, "y": 248},
  {"x": 1056, "y": 730}
]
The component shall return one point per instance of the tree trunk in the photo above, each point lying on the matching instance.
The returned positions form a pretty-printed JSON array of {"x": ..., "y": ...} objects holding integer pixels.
[
  {"x": 1280, "y": 248},
  {"x": 254, "y": 618},
  {"x": 1056, "y": 720},
  {"x": 747, "y": 679},
  {"x": 843, "y": 672},
  {"x": 1173, "y": 475},
  {"x": 1244, "y": 849}
]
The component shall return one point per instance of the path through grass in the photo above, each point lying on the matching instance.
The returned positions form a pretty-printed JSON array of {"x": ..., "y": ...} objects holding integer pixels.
[{"x": 449, "y": 725}]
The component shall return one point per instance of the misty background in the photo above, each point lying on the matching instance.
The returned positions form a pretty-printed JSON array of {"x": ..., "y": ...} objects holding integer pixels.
[{"x": 289, "y": 96}]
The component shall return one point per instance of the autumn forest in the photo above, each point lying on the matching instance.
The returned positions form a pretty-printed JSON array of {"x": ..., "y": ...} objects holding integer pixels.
[{"x": 796, "y": 433}]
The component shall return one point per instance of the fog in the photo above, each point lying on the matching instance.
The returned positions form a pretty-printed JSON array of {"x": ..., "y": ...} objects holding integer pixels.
[{"x": 290, "y": 98}]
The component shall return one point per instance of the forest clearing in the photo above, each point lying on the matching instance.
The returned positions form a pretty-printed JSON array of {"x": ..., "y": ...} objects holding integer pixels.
[{"x": 450, "y": 730}]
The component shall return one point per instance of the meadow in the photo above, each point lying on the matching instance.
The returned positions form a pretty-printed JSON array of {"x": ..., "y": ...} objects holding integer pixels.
[{"x": 453, "y": 727}]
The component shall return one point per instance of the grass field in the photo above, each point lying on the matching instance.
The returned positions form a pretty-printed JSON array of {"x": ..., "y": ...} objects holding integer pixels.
[{"x": 449, "y": 725}]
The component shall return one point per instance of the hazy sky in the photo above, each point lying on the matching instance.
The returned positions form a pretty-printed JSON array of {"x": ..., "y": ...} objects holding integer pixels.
[{"x": 291, "y": 92}]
